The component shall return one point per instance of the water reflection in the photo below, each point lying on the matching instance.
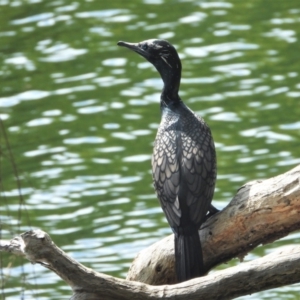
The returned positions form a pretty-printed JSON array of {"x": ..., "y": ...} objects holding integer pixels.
[{"x": 82, "y": 117}]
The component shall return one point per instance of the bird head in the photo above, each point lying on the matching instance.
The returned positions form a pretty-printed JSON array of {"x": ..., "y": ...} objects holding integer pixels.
[{"x": 160, "y": 53}]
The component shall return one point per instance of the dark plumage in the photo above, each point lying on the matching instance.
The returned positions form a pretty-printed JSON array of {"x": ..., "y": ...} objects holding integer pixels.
[{"x": 183, "y": 161}]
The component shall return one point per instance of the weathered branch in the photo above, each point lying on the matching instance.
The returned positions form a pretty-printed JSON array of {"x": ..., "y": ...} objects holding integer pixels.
[
  {"x": 259, "y": 213},
  {"x": 277, "y": 269}
]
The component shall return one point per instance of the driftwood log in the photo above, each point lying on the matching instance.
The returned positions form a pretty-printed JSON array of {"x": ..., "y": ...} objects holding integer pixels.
[{"x": 261, "y": 212}]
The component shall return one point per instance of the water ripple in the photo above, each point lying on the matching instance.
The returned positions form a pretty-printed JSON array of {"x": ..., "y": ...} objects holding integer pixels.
[
  {"x": 108, "y": 81},
  {"x": 201, "y": 80},
  {"x": 24, "y": 96},
  {"x": 215, "y": 4},
  {"x": 111, "y": 149},
  {"x": 288, "y": 36},
  {"x": 76, "y": 78},
  {"x": 43, "y": 150},
  {"x": 84, "y": 140},
  {"x": 117, "y": 201},
  {"x": 290, "y": 126},
  {"x": 137, "y": 158},
  {"x": 194, "y": 17},
  {"x": 226, "y": 116},
  {"x": 240, "y": 69},
  {"x": 19, "y": 60},
  {"x": 74, "y": 89},
  {"x": 91, "y": 109},
  {"x": 203, "y": 51},
  {"x": 267, "y": 133},
  {"x": 101, "y": 161},
  {"x": 71, "y": 7},
  {"x": 52, "y": 113},
  {"x": 39, "y": 122},
  {"x": 114, "y": 62},
  {"x": 33, "y": 18},
  {"x": 100, "y": 14},
  {"x": 61, "y": 53},
  {"x": 123, "y": 135},
  {"x": 48, "y": 173}
]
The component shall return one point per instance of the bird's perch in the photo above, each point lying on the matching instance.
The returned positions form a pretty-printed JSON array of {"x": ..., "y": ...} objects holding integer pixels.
[{"x": 261, "y": 212}]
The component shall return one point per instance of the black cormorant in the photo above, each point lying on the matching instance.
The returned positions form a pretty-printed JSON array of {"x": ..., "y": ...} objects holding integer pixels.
[{"x": 183, "y": 161}]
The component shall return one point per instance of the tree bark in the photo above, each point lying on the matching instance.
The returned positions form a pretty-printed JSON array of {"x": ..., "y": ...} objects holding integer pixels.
[{"x": 261, "y": 212}]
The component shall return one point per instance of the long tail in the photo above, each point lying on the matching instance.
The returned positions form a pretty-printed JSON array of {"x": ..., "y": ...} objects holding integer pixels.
[{"x": 188, "y": 256}]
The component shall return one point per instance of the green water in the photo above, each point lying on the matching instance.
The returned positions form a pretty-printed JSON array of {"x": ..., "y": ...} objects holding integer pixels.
[{"x": 81, "y": 115}]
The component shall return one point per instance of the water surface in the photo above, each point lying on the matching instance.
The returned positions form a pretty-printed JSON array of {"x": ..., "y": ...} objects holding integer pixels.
[{"x": 81, "y": 115}]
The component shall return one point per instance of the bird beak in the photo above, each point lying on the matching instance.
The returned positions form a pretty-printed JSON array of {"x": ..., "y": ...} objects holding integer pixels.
[
  {"x": 134, "y": 47},
  {"x": 128, "y": 45}
]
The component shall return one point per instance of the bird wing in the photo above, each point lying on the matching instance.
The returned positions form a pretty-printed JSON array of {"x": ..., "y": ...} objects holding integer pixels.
[
  {"x": 184, "y": 171},
  {"x": 166, "y": 175},
  {"x": 198, "y": 172}
]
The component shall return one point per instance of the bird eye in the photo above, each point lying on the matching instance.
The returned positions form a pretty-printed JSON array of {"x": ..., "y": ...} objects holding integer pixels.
[{"x": 144, "y": 47}]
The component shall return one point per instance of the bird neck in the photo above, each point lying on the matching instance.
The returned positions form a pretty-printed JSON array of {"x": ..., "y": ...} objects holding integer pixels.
[{"x": 171, "y": 87}]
